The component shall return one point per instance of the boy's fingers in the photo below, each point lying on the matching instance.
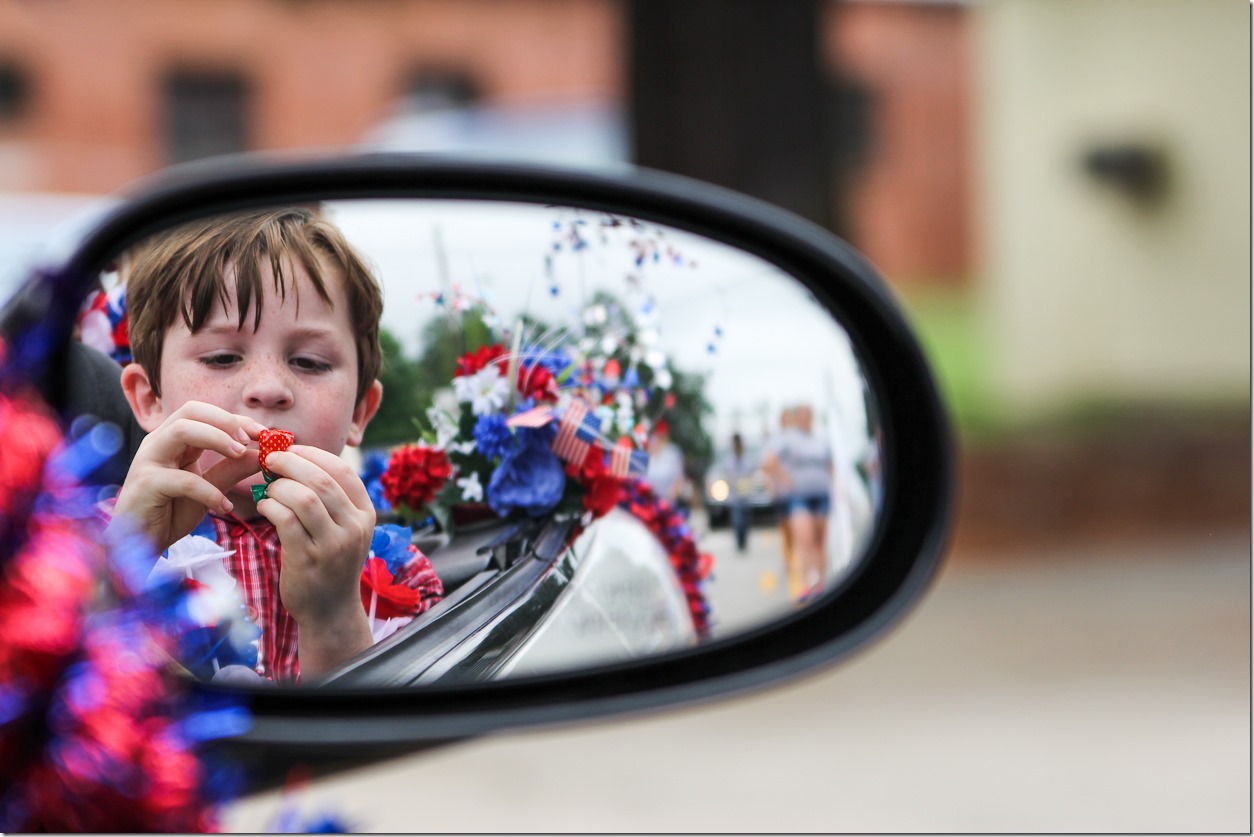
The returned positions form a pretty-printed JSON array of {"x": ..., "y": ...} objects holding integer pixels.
[
  {"x": 228, "y": 472},
  {"x": 198, "y": 426},
  {"x": 237, "y": 426},
  {"x": 329, "y": 476},
  {"x": 339, "y": 470},
  {"x": 327, "y": 518},
  {"x": 180, "y": 441},
  {"x": 296, "y": 511},
  {"x": 174, "y": 484}
]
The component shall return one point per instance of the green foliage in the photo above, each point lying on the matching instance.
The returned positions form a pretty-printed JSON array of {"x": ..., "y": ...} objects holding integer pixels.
[
  {"x": 410, "y": 384},
  {"x": 404, "y": 397}
]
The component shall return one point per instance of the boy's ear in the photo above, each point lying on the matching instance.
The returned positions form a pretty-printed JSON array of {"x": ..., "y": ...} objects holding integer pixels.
[
  {"x": 144, "y": 401},
  {"x": 364, "y": 412}
]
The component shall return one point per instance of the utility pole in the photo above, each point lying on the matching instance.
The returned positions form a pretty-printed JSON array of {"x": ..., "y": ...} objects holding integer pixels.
[{"x": 735, "y": 92}]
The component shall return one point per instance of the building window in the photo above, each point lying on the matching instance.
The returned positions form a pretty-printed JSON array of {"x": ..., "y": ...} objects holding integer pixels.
[
  {"x": 432, "y": 89},
  {"x": 206, "y": 114},
  {"x": 14, "y": 93}
]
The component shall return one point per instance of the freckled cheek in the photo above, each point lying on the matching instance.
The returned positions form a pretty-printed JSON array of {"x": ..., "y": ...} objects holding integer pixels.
[
  {"x": 181, "y": 388},
  {"x": 226, "y": 397}
]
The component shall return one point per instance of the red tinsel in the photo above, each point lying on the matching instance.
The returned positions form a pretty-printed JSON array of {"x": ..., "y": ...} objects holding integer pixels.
[
  {"x": 30, "y": 435},
  {"x": 603, "y": 491},
  {"x": 670, "y": 526},
  {"x": 415, "y": 474},
  {"x": 89, "y": 739}
]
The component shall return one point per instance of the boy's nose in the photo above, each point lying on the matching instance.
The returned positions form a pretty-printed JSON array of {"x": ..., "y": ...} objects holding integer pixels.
[{"x": 267, "y": 387}]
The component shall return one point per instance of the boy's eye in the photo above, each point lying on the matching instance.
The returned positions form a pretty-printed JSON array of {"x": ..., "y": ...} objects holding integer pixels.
[
  {"x": 308, "y": 364},
  {"x": 222, "y": 359}
]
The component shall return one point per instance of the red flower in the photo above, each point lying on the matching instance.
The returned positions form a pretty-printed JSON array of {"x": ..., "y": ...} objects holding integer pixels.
[
  {"x": 472, "y": 362},
  {"x": 393, "y": 599},
  {"x": 602, "y": 493},
  {"x": 415, "y": 474},
  {"x": 537, "y": 383}
]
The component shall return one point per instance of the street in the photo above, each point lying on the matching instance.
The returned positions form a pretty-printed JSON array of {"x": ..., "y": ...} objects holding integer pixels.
[
  {"x": 744, "y": 589},
  {"x": 1105, "y": 687}
]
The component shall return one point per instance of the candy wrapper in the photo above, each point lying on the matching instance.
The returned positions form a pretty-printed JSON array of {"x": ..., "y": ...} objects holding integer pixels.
[{"x": 271, "y": 441}]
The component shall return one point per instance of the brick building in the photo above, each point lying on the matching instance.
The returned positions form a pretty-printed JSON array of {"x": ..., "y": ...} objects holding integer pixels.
[{"x": 94, "y": 95}]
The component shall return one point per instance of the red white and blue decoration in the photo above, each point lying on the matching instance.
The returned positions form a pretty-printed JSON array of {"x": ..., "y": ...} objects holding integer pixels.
[
  {"x": 544, "y": 425},
  {"x": 96, "y": 733}
]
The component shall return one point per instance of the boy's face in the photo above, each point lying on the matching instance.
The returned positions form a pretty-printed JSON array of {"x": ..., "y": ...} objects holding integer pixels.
[{"x": 298, "y": 373}]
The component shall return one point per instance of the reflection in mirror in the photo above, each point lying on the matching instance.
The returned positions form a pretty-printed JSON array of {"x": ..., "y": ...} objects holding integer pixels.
[{"x": 607, "y": 439}]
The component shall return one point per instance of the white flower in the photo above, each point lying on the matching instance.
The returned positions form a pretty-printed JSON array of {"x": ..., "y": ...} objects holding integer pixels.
[
  {"x": 200, "y": 559},
  {"x": 486, "y": 390},
  {"x": 445, "y": 428},
  {"x": 196, "y": 558},
  {"x": 472, "y": 490},
  {"x": 465, "y": 448}
]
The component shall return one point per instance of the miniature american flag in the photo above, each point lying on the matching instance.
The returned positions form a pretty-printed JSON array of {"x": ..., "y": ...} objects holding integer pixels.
[
  {"x": 625, "y": 462},
  {"x": 575, "y": 431},
  {"x": 535, "y": 417}
]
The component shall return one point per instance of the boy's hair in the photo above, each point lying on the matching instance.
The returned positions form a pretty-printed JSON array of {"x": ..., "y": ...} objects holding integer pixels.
[{"x": 183, "y": 273}]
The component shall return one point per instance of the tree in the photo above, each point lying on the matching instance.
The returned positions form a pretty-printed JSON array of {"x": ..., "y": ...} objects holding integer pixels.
[{"x": 404, "y": 396}]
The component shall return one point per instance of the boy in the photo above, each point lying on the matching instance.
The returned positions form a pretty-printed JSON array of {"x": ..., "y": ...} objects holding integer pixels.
[{"x": 240, "y": 323}]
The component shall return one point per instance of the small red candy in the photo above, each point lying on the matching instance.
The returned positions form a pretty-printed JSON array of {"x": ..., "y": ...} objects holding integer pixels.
[{"x": 272, "y": 440}]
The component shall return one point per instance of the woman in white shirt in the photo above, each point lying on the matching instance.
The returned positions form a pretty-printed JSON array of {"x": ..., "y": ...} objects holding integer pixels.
[{"x": 799, "y": 463}]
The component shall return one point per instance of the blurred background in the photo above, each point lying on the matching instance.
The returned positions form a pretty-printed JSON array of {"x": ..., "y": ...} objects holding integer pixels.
[{"x": 1058, "y": 194}]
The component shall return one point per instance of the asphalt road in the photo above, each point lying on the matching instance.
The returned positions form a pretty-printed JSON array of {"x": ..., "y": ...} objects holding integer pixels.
[
  {"x": 745, "y": 588},
  {"x": 1094, "y": 689}
]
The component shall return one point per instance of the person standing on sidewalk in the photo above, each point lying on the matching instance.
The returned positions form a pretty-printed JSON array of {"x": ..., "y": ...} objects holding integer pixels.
[{"x": 739, "y": 468}]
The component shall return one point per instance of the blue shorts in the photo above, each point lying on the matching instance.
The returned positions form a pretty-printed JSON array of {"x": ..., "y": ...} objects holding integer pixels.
[{"x": 816, "y": 504}]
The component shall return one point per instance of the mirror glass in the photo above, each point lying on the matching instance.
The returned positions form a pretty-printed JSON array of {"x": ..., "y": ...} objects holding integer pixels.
[{"x": 688, "y": 449}]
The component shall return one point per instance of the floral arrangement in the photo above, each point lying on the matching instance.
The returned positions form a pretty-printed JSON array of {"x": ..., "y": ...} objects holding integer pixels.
[{"x": 542, "y": 423}]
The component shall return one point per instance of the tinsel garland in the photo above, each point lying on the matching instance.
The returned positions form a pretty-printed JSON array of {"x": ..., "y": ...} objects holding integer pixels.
[
  {"x": 96, "y": 734},
  {"x": 669, "y": 524}
]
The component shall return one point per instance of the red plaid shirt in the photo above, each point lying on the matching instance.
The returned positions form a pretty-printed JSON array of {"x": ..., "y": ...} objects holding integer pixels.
[{"x": 255, "y": 564}]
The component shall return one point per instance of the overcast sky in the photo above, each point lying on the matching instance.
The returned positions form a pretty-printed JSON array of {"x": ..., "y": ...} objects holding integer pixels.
[{"x": 756, "y": 334}]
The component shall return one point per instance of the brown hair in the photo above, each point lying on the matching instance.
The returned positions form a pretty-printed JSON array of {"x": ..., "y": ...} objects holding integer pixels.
[{"x": 183, "y": 273}]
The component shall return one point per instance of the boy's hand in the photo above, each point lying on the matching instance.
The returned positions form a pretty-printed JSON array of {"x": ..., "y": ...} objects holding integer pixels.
[
  {"x": 325, "y": 522},
  {"x": 166, "y": 492}
]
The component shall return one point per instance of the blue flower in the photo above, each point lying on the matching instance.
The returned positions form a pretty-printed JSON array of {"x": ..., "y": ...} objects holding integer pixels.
[
  {"x": 554, "y": 360},
  {"x": 376, "y": 462},
  {"x": 391, "y": 543},
  {"x": 530, "y": 477},
  {"x": 492, "y": 435}
]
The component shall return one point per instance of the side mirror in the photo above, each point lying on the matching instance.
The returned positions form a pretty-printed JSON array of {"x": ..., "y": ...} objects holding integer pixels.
[{"x": 657, "y": 302}]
